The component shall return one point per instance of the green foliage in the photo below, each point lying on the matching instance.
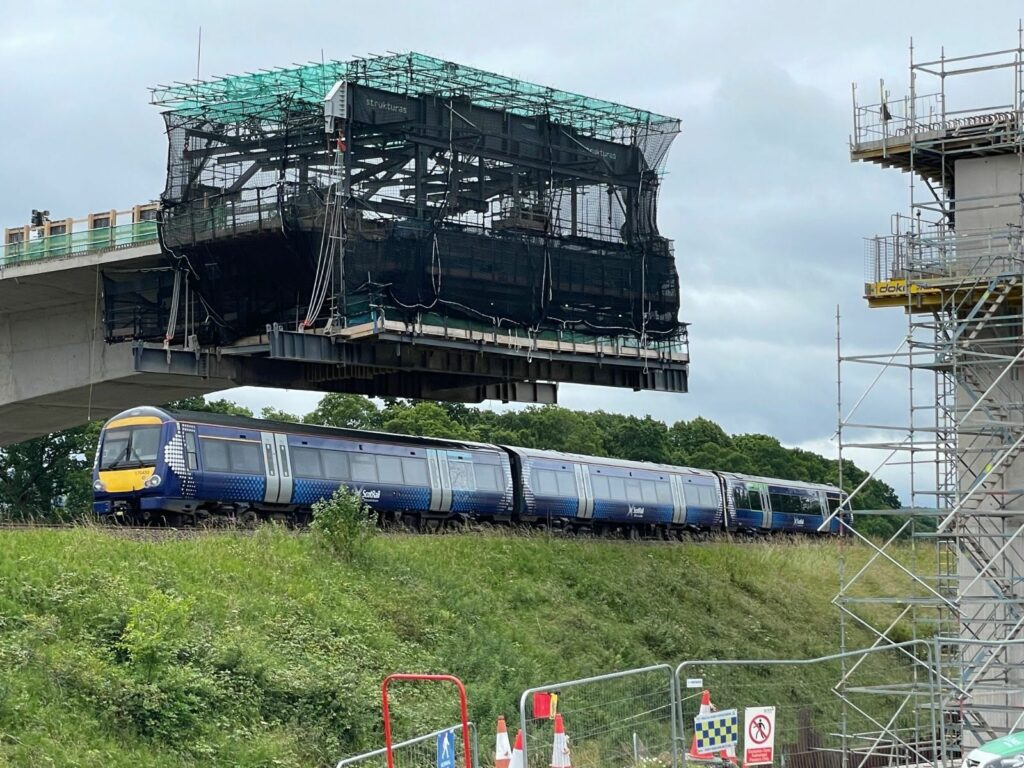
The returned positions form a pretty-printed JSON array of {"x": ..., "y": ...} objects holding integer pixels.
[
  {"x": 351, "y": 411},
  {"x": 49, "y": 477},
  {"x": 423, "y": 418},
  {"x": 199, "y": 403},
  {"x": 155, "y": 630},
  {"x": 273, "y": 414},
  {"x": 344, "y": 524}
]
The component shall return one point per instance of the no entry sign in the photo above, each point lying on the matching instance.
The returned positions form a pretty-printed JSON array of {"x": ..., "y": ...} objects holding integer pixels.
[{"x": 759, "y": 735}]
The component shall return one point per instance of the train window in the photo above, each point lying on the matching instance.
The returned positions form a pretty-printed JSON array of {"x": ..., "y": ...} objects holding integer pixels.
[
  {"x": 566, "y": 483},
  {"x": 415, "y": 471},
  {"x": 283, "y": 451},
  {"x": 335, "y": 464},
  {"x": 245, "y": 457},
  {"x": 461, "y": 474},
  {"x": 833, "y": 503},
  {"x": 813, "y": 504},
  {"x": 364, "y": 468},
  {"x": 618, "y": 488},
  {"x": 664, "y": 491},
  {"x": 489, "y": 478},
  {"x": 545, "y": 482},
  {"x": 754, "y": 500},
  {"x": 600, "y": 485},
  {"x": 633, "y": 490},
  {"x": 740, "y": 497},
  {"x": 115, "y": 446},
  {"x": 787, "y": 502},
  {"x": 191, "y": 451},
  {"x": 306, "y": 462},
  {"x": 215, "y": 456},
  {"x": 705, "y": 496},
  {"x": 649, "y": 491},
  {"x": 390, "y": 470},
  {"x": 269, "y": 449},
  {"x": 145, "y": 442}
]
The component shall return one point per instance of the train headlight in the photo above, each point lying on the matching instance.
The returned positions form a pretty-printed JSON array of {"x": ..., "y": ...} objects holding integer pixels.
[
  {"x": 153, "y": 481},
  {"x": 99, "y": 486}
]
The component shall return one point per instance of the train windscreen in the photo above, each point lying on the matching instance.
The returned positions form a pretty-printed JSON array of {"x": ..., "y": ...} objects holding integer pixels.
[{"x": 129, "y": 447}]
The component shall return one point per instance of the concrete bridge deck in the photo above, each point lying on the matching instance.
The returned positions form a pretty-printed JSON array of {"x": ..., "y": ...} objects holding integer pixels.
[{"x": 56, "y": 371}]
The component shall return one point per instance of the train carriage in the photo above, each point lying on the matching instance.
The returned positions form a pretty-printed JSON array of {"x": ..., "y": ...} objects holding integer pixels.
[
  {"x": 594, "y": 492},
  {"x": 157, "y": 463},
  {"x": 761, "y": 504}
]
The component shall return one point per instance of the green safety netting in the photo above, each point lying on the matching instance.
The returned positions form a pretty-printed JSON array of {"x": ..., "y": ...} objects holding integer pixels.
[{"x": 272, "y": 94}]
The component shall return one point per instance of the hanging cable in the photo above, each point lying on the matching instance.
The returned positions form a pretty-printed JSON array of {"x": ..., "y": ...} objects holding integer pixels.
[
  {"x": 332, "y": 238},
  {"x": 172, "y": 315}
]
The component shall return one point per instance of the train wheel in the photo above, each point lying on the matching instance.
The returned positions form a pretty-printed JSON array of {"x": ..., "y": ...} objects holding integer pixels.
[{"x": 411, "y": 522}]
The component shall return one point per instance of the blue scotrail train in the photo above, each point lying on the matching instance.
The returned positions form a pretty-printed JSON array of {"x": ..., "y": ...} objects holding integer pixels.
[{"x": 179, "y": 468}]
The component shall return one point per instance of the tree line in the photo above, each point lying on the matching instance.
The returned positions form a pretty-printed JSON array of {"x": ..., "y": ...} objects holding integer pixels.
[{"x": 51, "y": 477}]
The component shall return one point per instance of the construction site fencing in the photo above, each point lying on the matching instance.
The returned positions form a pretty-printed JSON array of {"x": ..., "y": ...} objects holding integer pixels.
[
  {"x": 419, "y": 752},
  {"x": 863, "y": 709},
  {"x": 621, "y": 719}
]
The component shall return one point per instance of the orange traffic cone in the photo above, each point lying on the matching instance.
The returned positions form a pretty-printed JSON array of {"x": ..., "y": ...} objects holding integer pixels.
[
  {"x": 706, "y": 708},
  {"x": 517, "y": 751},
  {"x": 502, "y": 750},
  {"x": 560, "y": 747}
]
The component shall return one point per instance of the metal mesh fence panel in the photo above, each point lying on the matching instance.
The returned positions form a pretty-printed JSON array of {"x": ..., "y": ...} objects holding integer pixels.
[
  {"x": 621, "y": 719},
  {"x": 883, "y": 711},
  {"x": 418, "y": 752}
]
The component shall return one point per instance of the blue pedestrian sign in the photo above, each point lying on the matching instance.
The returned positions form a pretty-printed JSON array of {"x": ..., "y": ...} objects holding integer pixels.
[{"x": 446, "y": 749}]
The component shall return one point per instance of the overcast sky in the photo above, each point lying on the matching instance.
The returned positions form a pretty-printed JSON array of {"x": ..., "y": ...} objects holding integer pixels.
[{"x": 767, "y": 213}]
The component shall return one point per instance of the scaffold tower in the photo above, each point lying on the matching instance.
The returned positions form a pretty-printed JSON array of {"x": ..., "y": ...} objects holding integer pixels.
[{"x": 954, "y": 263}]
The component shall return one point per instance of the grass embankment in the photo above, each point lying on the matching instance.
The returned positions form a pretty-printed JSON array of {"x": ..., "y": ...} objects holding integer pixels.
[{"x": 242, "y": 651}]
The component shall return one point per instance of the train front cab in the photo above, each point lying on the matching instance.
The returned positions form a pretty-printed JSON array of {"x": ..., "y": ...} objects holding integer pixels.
[{"x": 129, "y": 469}]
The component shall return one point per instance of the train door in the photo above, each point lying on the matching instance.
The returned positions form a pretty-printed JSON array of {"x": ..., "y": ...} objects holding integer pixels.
[
  {"x": 766, "y": 513},
  {"x": 440, "y": 481},
  {"x": 759, "y": 491},
  {"x": 277, "y": 470},
  {"x": 284, "y": 469},
  {"x": 823, "y": 504},
  {"x": 584, "y": 491},
  {"x": 678, "y": 500},
  {"x": 273, "y": 481}
]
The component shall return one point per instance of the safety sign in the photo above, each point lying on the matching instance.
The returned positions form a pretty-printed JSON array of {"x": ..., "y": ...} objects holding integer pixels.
[
  {"x": 716, "y": 730},
  {"x": 446, "y": 749},
  {"x": 759, "y": 735}
]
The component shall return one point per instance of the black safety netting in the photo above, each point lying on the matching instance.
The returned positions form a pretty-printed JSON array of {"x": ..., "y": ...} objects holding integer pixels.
[{"x": 414, "y": 204}]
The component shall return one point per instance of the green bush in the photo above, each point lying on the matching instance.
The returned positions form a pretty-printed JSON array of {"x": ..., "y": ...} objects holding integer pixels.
[{"x": 343, "y": 524}]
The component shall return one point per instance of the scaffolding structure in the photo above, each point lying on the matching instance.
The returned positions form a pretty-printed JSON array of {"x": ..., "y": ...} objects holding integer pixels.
[
  {"x": 412, "y": 189},
  {"x": 955, "y": 265}
]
